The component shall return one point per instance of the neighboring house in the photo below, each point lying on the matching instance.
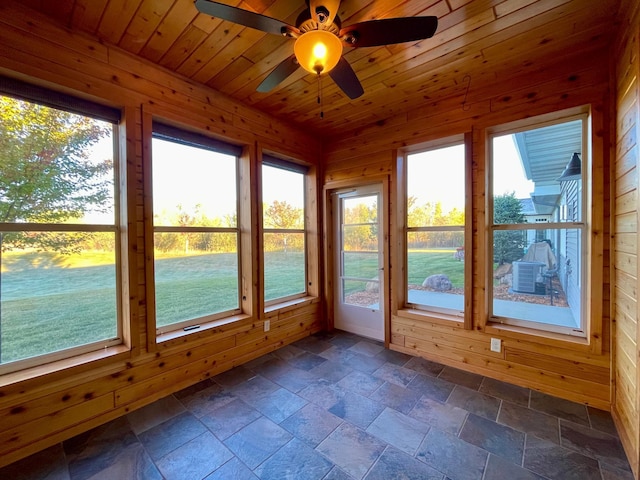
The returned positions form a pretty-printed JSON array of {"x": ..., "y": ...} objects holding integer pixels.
[{"x": 545, "y": 154}]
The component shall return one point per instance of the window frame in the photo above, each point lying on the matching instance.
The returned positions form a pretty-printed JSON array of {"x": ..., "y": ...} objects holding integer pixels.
[
  {"x": 35, "y": 94},
  {"x": 277, "y": 162},
  {"x": 463, "y": 317},
  {"x": 590, "y": 327},
  {"x": 166, "y": 132}
]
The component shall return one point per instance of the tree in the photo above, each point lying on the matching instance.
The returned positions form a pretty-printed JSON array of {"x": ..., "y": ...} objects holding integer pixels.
[
  {"x": 361, "y": 227},
  {"x": 507, "y": 245},
  {"x": 281, "y": 215},
  {"x": 46, "y": 173},
  {"x": 184, "y": 218}
]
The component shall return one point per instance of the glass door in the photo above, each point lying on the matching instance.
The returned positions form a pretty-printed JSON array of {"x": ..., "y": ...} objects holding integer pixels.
[{"x": 359, "y": 262}]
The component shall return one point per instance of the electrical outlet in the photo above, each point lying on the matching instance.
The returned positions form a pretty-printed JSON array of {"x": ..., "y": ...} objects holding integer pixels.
[
  {"x": 496, "y": 345},
  {"x": 267, "y": 325}
]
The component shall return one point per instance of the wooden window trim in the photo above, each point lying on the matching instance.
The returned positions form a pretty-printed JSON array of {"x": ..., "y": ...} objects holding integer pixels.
[
  {"x": 426, "y": 312},
  {"x": 155, "y": 128},
  {"x": 44, "y": 364},
  {"x": 593, "y": 218},
  {"x": 308, "y": 177}
]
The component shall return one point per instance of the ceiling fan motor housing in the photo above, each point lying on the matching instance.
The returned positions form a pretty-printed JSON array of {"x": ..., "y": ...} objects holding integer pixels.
[{"x": 306, "y": 23}]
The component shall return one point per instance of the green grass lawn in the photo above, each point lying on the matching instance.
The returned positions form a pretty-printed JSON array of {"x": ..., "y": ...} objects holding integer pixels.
[
  {"x": 54, "y": 302},
  {"x": 424, "y": 263}
]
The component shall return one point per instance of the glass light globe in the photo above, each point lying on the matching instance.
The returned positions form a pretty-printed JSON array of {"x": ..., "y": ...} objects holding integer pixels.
[{"x": 318, "y": 51}]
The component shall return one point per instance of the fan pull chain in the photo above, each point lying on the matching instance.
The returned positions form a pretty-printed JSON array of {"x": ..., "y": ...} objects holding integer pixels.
[
  {"x": 320, "y": 96},
  {"x": 466, "y": 107}
]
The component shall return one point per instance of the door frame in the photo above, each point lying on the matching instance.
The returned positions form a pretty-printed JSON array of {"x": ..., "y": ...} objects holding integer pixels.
[{"x": 330, "y": 289}]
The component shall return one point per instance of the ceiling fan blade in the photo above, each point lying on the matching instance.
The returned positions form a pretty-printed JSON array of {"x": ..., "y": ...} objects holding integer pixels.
[
  {"x": 324, "y": 11},
  {"x": 243, "y": 17},
  {"x": 346, "y": 79},
  {"x": 388, "y": 31},
  {"x": 282, "y": 71}
]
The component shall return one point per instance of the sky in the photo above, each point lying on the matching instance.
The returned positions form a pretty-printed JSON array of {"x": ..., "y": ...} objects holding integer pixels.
[
  {"x": 508, "y": 172},
  {"x": 438, "y": 176},
  {"x": 189, "y": 176},
  {"x": 432, "y": 174},
  {"x": 214, "y": 186}
]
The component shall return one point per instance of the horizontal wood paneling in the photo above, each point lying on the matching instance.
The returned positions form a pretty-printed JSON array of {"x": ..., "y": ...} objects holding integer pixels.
[
  {"x": 522, "y": 58},
  {"x": 489, "y": 40},
  {"x": 554, "y": 367},
  {"x": 39, "y": 410},
  {"x": 625, "y": 274}
]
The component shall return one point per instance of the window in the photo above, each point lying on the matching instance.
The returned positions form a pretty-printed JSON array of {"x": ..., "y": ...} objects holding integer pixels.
[
  {"x": 283, "y": 220},
  {"x": 59, "y": 235},
  {"x": 435, "y": 241},
  {"x": 538, "y": 228},
  {"x": 195, "y": 224}
]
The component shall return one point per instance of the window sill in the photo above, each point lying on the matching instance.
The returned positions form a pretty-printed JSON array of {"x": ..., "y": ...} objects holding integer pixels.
[
  {"x": 436, "y": 317},
  {"x": 91, "y": 360},
  {"x": 290, "y": 304},
  {"x": 553, "y": 339},
  {"x": 204, "y": 329}
]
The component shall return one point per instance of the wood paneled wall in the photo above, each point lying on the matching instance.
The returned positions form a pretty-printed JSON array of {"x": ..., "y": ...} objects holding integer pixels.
[
  {"x": 626, "y": 208},
  {"x": 43, "y": 406},
  {"x": 552, "y": 366}
]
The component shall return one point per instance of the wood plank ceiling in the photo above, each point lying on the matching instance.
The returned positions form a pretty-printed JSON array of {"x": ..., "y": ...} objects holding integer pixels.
[{"x": 476, "y": 42}]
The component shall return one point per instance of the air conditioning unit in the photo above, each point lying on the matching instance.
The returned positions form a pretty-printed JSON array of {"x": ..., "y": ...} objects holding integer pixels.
[{"x": 525, "y": 275}]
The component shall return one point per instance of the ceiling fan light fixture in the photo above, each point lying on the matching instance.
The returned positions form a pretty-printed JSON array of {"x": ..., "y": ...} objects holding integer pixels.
[{"x": 318, "y": 51}]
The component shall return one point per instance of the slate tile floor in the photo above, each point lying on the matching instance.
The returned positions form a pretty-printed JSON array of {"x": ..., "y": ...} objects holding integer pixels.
[{"x": 341, "y": 407}]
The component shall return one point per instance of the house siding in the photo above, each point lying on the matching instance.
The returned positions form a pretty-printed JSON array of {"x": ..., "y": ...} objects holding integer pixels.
[{"x": 549, "y": 365}]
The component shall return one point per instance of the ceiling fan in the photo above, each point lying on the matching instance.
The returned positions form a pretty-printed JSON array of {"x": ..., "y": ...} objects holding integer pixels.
[{"x": 320, "y": 38}]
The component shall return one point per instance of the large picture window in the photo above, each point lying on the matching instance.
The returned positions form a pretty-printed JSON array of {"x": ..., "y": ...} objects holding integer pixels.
[
  {"x": 436, "y": 193},
  {"x": 283, "y": 218},
  {"x": 195, "y": 223},
  {"x": 538, "y": 227},
  {"x": 59, "y": 235}
]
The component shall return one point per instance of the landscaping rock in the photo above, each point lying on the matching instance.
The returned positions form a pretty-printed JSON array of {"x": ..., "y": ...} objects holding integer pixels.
[
  {"x": 372, "y": 287},
  {"x": 502, "y": 270},
  {"x": 438, "y": 282}
]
